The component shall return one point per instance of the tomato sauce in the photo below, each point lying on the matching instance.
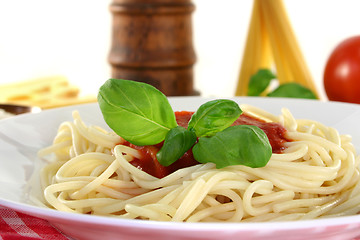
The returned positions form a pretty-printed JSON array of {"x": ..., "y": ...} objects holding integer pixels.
[{"x": 150, "y": 164}]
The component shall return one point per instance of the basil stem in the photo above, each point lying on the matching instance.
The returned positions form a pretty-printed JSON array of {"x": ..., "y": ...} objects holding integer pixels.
[
  {"x": 136, "y": 111},
  {"x": 214, "y": 116},
  {"x": 237, "y": 145},
  {"x": 178, "y": 141}
]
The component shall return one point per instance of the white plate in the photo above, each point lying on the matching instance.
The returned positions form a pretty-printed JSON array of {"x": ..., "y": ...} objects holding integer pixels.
[{"x": 22, "y": 136}]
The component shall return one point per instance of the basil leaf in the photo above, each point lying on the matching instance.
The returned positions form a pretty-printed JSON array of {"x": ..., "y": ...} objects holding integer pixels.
[
  {"x": 136, "y": 111},
  {"x": 237, "y": 145},
  {"x": 214, "y": 116},
  {"x": 259, "y": 82},
  {"x": 177, "y": 142},
  {"x": 292, "y": 90}
]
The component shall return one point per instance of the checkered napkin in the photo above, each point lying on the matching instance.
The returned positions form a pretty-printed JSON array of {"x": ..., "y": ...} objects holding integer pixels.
[{"x": 15, "y": 225}]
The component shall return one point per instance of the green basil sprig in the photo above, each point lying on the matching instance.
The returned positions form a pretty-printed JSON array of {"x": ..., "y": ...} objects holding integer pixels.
[
  {"x": 142, "y": 115},
  {"x": 214, "y": 116},
  {"x": 237, "y": 145},
  {"x": 178, "y": 141},
  {"x": 136, "y": 111},
  {"x": 260, "y": 81},
  {"x": 292, "y": 90},
  {"x": 210, "y": 118}
]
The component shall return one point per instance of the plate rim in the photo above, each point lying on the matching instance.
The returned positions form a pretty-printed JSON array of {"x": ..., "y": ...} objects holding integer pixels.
[{"x": 53, "y": 215}]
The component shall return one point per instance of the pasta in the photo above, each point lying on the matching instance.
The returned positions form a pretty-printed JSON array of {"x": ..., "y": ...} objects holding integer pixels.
[
  {"x": 271, "y": 39},
  {"x": 45, "y": 92},
  {"x": 317, "y": 175}
]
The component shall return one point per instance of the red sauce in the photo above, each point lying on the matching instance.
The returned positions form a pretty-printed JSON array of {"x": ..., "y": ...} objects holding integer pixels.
[{"x": 149, "y": 163}]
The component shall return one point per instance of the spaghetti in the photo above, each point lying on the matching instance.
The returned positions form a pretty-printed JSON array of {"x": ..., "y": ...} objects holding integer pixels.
[
  {"x": 271, "y": 39},
  {"x": 316, "y": 175}
]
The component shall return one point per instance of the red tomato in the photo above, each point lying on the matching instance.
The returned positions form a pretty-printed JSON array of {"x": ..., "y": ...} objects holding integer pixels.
[{"x": 342, "y": 72}]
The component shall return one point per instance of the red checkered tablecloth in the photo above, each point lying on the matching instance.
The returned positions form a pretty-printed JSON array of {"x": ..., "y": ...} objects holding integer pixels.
[{"x": 15, "y": 225}]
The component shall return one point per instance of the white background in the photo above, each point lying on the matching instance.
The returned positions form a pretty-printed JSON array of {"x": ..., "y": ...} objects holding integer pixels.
[{"x": 72, "y": 38}]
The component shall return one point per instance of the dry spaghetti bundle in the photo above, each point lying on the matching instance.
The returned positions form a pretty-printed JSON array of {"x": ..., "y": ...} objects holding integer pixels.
[{"x": 271, "y": 39}]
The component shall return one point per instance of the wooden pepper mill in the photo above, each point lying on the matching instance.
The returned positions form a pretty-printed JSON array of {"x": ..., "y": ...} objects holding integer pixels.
[{"x": 152, "y": 43}]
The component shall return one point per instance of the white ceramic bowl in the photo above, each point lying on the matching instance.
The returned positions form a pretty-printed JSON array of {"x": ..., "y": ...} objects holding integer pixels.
[{"x": 22, "y": 136}]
